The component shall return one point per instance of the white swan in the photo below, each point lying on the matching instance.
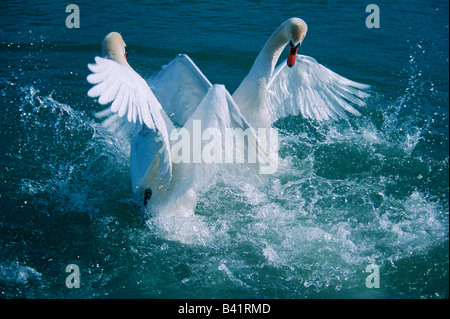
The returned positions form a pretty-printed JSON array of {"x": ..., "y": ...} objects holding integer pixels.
[
  {"x": 267, "y": 94},
  {"x": 189, "y": 99},
  {"x": 181, "y": 97}
]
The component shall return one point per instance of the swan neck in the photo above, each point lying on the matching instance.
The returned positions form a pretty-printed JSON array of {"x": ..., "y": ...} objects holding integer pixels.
[
  {"x": 269, "y": 55},
  {"x": 250, "y": 95}
]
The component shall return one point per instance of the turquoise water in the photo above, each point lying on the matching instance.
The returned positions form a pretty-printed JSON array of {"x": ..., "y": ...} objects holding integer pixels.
[{"x": 348, "y": 194}]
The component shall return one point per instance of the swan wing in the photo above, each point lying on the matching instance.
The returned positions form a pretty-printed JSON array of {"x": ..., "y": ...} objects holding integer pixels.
[
  {"x": 134, "y": 108},
  {"x": 150, "y": 158},
  {"x": 127, "y": 92},
  {"x": 180, "y": 87},
  {"x": 311, "y": 89},
  {"x": 220, "y": 135}
]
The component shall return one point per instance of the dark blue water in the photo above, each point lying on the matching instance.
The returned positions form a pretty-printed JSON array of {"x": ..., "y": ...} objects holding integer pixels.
[{"x": 348, "y": 194}]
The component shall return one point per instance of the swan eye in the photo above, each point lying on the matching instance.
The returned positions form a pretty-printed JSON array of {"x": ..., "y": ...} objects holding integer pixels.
[{"x": 126, "y": 53}]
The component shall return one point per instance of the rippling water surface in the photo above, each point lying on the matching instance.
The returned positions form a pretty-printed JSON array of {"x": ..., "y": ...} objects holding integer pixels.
[{"x": 372, "y": 190}]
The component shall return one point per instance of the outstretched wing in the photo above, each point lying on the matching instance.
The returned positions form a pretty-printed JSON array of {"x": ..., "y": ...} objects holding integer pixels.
[
  {"x": 133, "y": 107},
  {"x": 221, "y": 135},
  {"x": 127, "y": 90},
  {"x": 150, "y": 159},
  {"x": 180, "y": 87},
  {"x": 313, "y": 90}
]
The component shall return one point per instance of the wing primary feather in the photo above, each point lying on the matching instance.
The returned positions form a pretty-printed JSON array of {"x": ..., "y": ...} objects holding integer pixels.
[
  {"x": 110, "y": 92},
  {"x": 129, "y": 104},
  {"x": 313, "y": 90},
  {"x": 129, "y": 94},
  {"x": 120, "y": 98}
]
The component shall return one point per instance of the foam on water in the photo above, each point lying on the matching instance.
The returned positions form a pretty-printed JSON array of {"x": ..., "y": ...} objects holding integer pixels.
[
  {"x": 66, "y": 155},
  {"x": 15, "y": 274}
]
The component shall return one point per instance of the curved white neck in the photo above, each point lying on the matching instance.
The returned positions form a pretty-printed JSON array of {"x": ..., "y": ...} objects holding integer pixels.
[
  {"x": 267, "y": 59},
  {"x": 251, "y": 94}
]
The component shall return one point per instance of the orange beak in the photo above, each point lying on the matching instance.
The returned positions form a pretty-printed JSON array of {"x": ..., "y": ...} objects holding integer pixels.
[{"x": 292, "y": 54}]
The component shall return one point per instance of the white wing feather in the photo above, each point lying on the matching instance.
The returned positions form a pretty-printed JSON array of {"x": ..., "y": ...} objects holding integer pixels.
[
  {"x": 313, "y": 90},
  {"x": 180, "y": 87},
  {"x": 219, "y": 112},
  {"x": 133, "y": 107},
  {"x": 150, "y": 159},
  {"x": 127, "y": 90}
]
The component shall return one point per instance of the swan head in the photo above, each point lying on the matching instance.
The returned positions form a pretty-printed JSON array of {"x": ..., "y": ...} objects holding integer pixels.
[
  {"x": 296, "y": 29},
  {"x": 114, "y": 48}
]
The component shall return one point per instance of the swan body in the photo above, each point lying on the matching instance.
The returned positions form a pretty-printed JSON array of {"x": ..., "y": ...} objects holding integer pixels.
[{"x": 179, "y": 97}]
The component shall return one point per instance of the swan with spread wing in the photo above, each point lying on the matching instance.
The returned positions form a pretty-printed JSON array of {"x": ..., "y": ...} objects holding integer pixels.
[
  {"x": 299, "y": 85},
  {"x": 188, "y": 99},
  {"x": 180, "y": 96}
]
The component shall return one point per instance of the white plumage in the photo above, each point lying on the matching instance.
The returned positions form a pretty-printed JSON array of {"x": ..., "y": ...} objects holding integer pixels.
[
  {"x": 180, "y": 97},
  {"x": 312, "y": 90}
]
